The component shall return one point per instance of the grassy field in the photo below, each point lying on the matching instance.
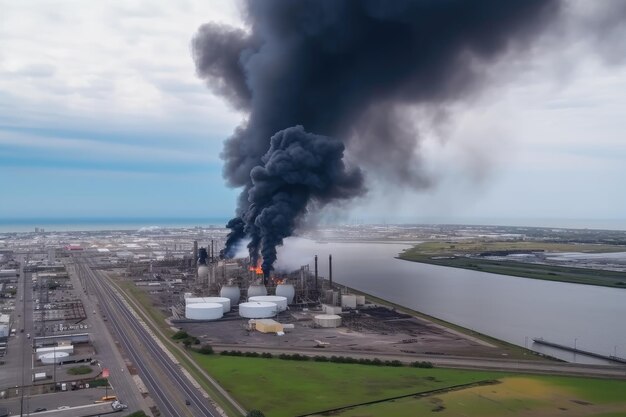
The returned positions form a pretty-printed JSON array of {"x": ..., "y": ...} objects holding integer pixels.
[
  {"x": 453, "y": 254},
  {"x": 282, "y": 388},
  {"x": 514, "y": 396},
  {"x": 476, "y": 246}
]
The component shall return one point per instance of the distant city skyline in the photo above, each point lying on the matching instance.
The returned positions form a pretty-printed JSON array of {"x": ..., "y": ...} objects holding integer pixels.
[{"x": 103, "y": 116}]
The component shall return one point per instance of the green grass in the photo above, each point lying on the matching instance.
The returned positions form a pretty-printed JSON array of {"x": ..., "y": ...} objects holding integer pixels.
[
  {"x": 593, "y": 390},
  {"x": 79, "y": 370},
  {"x": 282, "y": 388},
  {"x": 520, "y": 395},
  {"x": 474, "y": 246},
  {"x": 452, "y": 254}
]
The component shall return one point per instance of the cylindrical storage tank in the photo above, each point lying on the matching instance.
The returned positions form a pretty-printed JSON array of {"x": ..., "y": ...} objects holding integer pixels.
[
  {"x": 327, "y": 320},
  {"x": 256, "y": 290},
  {"x": 257, "y": 310},
  {"x": 53, "y": 357},
  {"x": 287, "y": 291},
  {"x": 204, "y": 311},
  {"x": 203, "y": 273},
  {"x": 281, "y": 302},
  {"x": 348, "y": 301},
  {"x": 225, "y": 302},
  {"x": 360, "y": 300},
  {"x": 194, "y": 300},
  {"x": 231, "y": 292}
]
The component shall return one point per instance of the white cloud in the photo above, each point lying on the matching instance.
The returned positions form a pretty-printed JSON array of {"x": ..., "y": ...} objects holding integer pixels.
[{"x": 116, "y": 58}]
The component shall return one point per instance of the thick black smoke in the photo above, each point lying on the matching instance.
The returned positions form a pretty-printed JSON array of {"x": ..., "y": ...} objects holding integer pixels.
[
  {"x": 236, "y": 227},
  {"x": 202, "y": 256},
  {"x": 298, "y": 170},
  {"x": 346, "y": 69}
]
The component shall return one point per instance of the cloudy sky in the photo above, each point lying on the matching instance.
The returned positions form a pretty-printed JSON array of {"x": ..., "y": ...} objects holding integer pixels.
[{"x": 102, "y": 114}]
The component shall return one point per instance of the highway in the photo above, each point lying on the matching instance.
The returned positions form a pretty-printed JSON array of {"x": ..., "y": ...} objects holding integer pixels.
[
  {"x": 107, "y": 350},
  {"x": 166, "y": 383}
]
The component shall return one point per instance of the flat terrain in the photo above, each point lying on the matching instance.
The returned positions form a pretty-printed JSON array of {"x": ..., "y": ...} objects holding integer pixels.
[
  {"x": 467, "y": 255},
  {"x": 512, "y": 396},
  {"x": 292, "y": 388},
  {"x": 289, "y": 388},
  {"x": 373, "y": 330}
]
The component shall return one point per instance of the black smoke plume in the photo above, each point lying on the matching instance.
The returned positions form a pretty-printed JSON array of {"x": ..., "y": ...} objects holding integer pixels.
[
  {"x": 298, "y": 170},
  {"x": 237, "y": 233},
  {"x": 345, "y": 69},
  {"x": 202, "y": 256}
]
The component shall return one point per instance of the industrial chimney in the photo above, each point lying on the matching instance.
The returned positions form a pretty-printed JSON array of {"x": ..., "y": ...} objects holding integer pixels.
[
  {"x": 316, "y": 272},
  {"x": 330, "y": 270}
]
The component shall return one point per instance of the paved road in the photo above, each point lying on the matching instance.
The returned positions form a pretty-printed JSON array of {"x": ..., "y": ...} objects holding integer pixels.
[
  {"x": 51, "y": 401},
  {"x": 107, "y": 351},
  {"x": 166, "y": 383},
  {"x": 551, "y": 368}
]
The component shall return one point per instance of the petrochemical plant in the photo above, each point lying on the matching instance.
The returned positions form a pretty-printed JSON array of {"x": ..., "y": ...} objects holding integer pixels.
[{"x": 227, "y": 288}]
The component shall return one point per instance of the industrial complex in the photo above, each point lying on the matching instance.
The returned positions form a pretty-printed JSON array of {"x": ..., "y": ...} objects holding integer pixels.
[{"x": 89, "y": 317}]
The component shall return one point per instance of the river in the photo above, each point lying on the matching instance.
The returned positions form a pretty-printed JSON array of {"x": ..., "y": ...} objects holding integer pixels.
[{"x": 508, "y": 308}]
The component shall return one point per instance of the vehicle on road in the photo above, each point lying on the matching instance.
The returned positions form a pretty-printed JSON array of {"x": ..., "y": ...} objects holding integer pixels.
[
  {"x": 116, "y": 405},
  {"x": 187, "y": 402},
  {"x": 63, "y": 407},
  {"x": 40, "y": 409}
]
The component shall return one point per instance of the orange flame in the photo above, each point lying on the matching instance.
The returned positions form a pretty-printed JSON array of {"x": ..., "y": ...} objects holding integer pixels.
[{"x": 257, "y": 270}]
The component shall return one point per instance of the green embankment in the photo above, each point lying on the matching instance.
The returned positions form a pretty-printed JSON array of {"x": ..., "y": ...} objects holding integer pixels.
[{"x": 455, "y": 254}]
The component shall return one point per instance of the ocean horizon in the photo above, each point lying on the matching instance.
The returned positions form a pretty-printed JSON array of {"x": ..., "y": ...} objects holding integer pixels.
[
  {"x": 76, "y": 224},
  {"x": 25, "y": 225}
]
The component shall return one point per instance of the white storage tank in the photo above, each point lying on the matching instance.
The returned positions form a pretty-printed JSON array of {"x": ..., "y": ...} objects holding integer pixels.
[
  {"x": 53, "y": 357},
  {"x": 348, "y": 301},
  {"x": 287, "y": 291},
  {"x": 256, "y": 290},
  {"x": 45, "y": 350},
  {"x": 204, "y": 311},
  {"x": 331, "y": 309},
  {"x": 225, "y": 302},
  {"x": 258, "y": 309},
  {"x": 194, "y": 300},
  {"x": 281, "y": 302},
  {"x": 203, "y": 273},
  {"x": 360, "y": 300},
  {"x": 327, "y": 320},
  {"x": 231, "y": 292}
]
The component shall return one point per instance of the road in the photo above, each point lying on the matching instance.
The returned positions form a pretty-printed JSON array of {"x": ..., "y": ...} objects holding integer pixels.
[
  {"x": 166, "y": 383},
  {"x": 526, "y": 366},
  {"x": 107, "y": 351}
]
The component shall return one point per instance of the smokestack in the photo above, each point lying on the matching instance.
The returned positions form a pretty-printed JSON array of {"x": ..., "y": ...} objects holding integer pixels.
[
  {"x": 315, "y": 271},
  {"x": 195, "y": 252},
  {"x": 330, "y": 270},
  {"x": 212, "y": 251}
]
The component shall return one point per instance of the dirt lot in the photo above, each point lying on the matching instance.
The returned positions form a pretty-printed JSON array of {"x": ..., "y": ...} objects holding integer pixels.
[{"x": 373, "y": 329}]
